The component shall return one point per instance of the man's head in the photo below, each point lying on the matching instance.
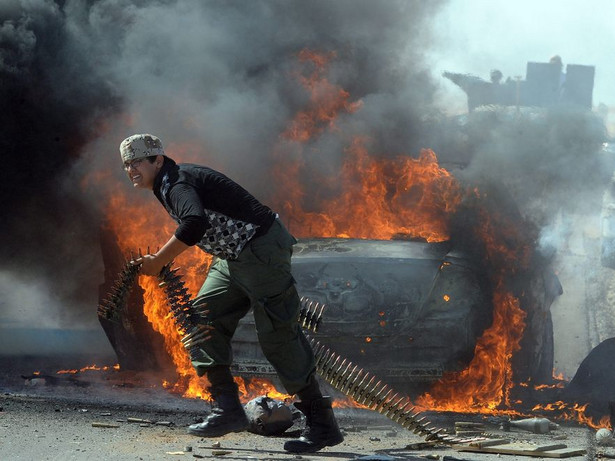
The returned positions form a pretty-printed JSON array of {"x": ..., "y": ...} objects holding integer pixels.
[
  {"x": 143, "y": 156},
  {"x": 557, "y": 60}
]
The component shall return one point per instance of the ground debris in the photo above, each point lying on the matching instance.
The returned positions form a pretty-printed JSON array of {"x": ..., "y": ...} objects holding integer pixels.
[
  {"x": 354, "y": 428},
  {"x": 165, "y": 423},
  {"x": 526, "y": 449},
  {"x": 108, "y": 425},
  {"x": 420, "y": 445},
  {"x": 489, "y": 443},
  {"x": 469, "y": 429},
  {"x": 139, "y": 420},
  {"x": 377, "y": 457}
]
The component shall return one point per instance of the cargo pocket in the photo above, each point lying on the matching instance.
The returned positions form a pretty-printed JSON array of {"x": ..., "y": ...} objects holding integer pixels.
[
  {"x": 261, "y": 250},
  {"x": 278, "y": 313},
  {"x": 285, "y": 239}
]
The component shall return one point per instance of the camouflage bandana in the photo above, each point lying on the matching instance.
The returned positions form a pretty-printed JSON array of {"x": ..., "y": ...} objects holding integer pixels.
[{"x": 140, "y": 146}]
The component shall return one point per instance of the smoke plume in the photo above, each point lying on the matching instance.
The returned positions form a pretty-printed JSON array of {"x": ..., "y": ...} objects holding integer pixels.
[
  {"x": 77, "y": 77},
  {"x": 217, "y": 82}
]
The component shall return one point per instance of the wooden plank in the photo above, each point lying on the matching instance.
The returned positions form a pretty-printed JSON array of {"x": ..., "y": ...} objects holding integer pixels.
[
  {"x": 524, "y": 449},
  {"x": 489, "y": 443},
  {"x": 552, "y": 446},
  {"x": 469, "y": 434},
  {"x": 563, "y": 453},
  {"x": 469, "y": 424}
]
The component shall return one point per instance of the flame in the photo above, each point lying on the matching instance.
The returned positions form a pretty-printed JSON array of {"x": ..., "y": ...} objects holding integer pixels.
[
  {"x": 371, "y": 198},
  {"x": 89, "y": 368},
  {"x": 558, "y": 376},
  {"x": 347, "y": 403},
  {"x": 558, "y": 385},
  {"x": 326, "y": 100},
  {"x": 255, "y": 387},
  {"x": 573, "y": 412},
  {"x": 368, "y": 197},
  {"x": 156, "y": 226},
  {"x": 484, "y": 384},
  {"x": 381, "y": 199}
]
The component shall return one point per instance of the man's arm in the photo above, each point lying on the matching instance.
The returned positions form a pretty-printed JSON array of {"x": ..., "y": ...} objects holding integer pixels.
[{"x": 153, "y": 264}]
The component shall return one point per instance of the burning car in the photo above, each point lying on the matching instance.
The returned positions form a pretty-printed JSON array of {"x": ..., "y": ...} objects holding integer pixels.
[{"x": 406, "y": 310}]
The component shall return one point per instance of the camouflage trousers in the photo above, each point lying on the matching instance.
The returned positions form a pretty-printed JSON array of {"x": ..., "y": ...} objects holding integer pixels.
[{"x": 259, "y": 279}]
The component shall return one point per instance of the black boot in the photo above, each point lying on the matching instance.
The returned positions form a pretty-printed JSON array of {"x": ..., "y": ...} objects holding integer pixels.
[
  {"x": 321, "y": 428},
  {"x": 227, "y": 414}
]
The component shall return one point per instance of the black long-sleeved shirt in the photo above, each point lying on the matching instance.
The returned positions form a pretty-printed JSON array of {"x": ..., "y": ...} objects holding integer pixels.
[{"x": 213, "y": 212}]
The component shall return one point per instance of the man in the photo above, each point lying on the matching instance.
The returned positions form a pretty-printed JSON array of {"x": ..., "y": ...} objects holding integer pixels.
[
  {"x": 251, "y": 269},
  {"x": 556, "y": 62},
  {"x": 495, "y": 76}
]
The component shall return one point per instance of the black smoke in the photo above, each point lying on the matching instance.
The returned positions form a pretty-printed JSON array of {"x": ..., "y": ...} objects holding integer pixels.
[
  {"x": 77, "y": 77},
  {"x": 551, "y": 161},
  {"x": 51, "y": 97}
]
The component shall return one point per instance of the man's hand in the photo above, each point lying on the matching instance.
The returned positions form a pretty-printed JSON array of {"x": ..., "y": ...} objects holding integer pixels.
[
  {"x": 153, "y": 264},
  {"x": 150, "y": 264}
]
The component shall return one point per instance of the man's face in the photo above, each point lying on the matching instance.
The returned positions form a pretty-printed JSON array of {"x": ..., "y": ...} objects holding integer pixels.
[{"x": 142, "y": 172}]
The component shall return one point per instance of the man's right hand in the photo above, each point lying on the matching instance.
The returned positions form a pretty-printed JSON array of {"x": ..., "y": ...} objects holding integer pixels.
[{"x": 150, "y": 264}]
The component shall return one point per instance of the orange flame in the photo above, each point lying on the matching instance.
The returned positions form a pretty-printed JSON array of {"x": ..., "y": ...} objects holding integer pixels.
[
  {"x": 89, "y": 368},
  {"x": 326, "y": 100},
  {"x": 484, "y": 384},
  {"x": 573, "y": 412},
  {"x": 370, "y": 199},
  {"x": 382, "y": 198},
  {"x": 156, "y": 226},
  {"x": 141, "y": 229}
]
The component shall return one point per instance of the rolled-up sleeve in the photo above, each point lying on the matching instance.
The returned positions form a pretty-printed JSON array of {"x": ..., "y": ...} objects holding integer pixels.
[{"x": 191, "y": 214}]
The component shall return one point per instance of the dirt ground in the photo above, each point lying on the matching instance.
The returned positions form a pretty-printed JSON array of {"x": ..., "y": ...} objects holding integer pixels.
[{"x": 58, "y": 421}]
